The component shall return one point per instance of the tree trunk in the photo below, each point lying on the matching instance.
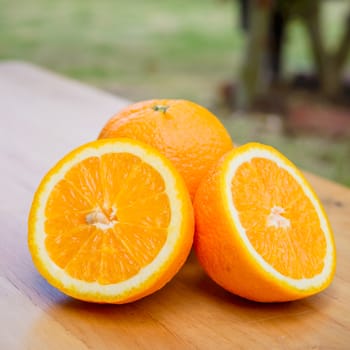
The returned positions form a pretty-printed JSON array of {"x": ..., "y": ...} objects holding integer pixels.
[
  {"x": 329, "y": 65},
  {"x": 343, "y": 50},
  {"x": 252, "y": 81},
  {"x": 331, "y": 80}
]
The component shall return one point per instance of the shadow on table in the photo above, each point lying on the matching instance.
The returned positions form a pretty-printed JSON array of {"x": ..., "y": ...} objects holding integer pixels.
[{"x": 190, "y": 304}]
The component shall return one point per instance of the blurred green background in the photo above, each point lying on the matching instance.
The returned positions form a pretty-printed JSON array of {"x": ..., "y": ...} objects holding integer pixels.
[{"x": 177, "y": 49}]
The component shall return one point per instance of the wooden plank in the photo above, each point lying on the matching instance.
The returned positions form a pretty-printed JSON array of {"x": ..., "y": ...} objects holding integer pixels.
[
  {"x": 16, "y": 332},
  {"x": 43, "y": 116}
]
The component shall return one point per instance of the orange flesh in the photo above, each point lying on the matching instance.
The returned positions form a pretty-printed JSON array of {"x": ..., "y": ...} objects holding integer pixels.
[
  {"x": 107, "y": 218},
  {"x": 291, "y": 240}
]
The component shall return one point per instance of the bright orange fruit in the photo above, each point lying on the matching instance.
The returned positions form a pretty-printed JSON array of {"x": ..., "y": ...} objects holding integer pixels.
[
  {"x": 186, "y": 133},
  {"x": 111, "y": 222},
  {"x": 261, "y": 231}
]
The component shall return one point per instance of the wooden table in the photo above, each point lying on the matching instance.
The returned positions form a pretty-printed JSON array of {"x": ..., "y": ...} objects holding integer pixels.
[{"x": 43, "y": 116}]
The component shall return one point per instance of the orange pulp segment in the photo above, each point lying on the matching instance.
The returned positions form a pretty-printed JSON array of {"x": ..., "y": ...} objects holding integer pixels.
[{"x": 279, "y": 219}]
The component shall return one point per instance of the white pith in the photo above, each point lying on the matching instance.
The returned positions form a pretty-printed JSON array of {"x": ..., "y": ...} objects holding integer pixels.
[
  {"x": 145, "y": 273},
  {"x": 100, "y": 220},
  {"x": 276, "y": 218},
  {"x": 300, "y": 284}
]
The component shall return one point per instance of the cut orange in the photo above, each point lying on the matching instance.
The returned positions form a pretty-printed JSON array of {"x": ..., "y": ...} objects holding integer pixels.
[
  {"x": 111, "y": 222},
  {"x": 261, "y": 231}
]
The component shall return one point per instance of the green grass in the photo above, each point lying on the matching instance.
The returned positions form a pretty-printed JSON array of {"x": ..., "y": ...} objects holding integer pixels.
[
  {"x": 171, "y": 48},
  {"x": 165, "y": 48}
]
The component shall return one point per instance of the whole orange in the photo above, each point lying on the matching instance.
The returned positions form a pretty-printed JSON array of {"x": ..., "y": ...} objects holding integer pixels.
[{"x": 185, "y": 132}]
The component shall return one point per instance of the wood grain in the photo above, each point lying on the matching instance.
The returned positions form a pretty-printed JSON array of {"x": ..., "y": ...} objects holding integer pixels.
[{"x": 43, "y": 116}]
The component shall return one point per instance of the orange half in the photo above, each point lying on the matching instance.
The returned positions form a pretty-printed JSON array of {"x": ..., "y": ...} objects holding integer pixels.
[
  {"x": 261, "y": 231},
  {"x": 111, "y": 222}
]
